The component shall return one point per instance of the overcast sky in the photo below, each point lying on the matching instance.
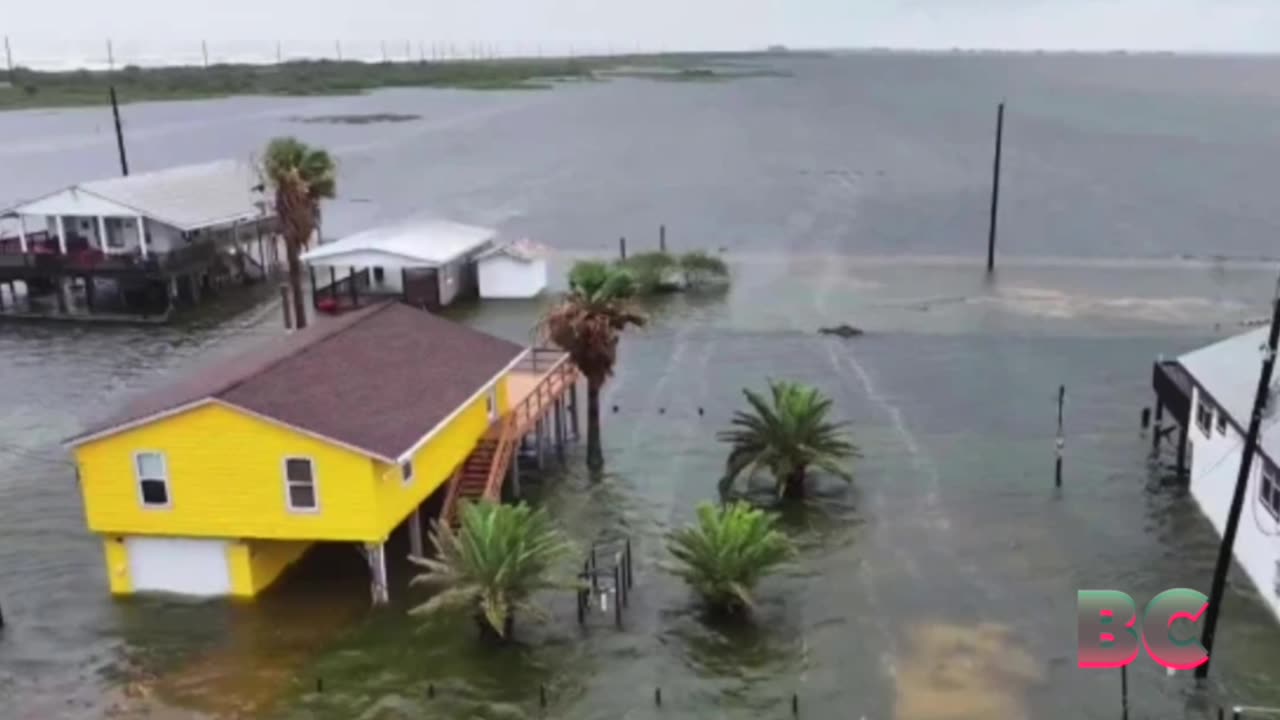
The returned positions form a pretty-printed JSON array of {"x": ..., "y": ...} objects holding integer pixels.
[{"x": 76, "y": 30}]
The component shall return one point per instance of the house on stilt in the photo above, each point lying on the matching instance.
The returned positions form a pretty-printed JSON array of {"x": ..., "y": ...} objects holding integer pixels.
[
  {"x": 338, "y": 433},
  {"x": 138, "y": 246},
  {"x": 1209, "y": 394}
]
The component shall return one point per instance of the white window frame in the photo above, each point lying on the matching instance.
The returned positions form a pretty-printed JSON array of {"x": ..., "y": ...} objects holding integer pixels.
[
  {"x": 137, "y": 480},
  {"x": 491, "y": 402},
  {"x": 1204, "y": 416},
  {"x": 406, "y": 472},
  {"x": 315, "y": 485},
  {"x": 1269, "y": 475}
]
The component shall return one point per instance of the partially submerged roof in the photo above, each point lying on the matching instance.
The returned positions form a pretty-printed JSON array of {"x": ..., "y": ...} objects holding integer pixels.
[
  {"x": 524, "y": 250},
  {"x": 188, "y": 197},
  {"x": 375, "y": 381},
  {"x": 413, "y": 243},
  {"x": 1228, "y": 371}
]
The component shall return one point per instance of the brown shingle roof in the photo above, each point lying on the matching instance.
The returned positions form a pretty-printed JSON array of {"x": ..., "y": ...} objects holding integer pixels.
[{"x": 377, "y": 379}]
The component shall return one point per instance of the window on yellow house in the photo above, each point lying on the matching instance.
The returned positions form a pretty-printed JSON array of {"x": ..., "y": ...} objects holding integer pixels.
[
  {"x": 300, "y": 484},
  {"x": 153, "y": 479}
]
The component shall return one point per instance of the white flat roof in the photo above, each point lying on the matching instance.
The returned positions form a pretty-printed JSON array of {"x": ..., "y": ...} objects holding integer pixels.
[
  {"x": 187, "y": 197},
  {"x": 1228, "y": 371},
  {"x": 412, "y": 243}
]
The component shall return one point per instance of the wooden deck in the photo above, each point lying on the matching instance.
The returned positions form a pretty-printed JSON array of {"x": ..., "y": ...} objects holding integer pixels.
[{"x": 536, "y": 392}]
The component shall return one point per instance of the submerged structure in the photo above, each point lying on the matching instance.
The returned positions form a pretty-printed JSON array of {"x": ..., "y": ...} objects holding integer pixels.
[
  {"x": 1210, "y": 393},
  {"x": 137, "y": 246},
  {"x": 341, "y": 432}
]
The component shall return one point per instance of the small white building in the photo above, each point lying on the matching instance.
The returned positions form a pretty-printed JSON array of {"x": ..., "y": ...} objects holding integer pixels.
[
  {"x": 516, "y": 270},
  {"x": 1224, "y": 379},
  {"x": 427, "y": 263}
]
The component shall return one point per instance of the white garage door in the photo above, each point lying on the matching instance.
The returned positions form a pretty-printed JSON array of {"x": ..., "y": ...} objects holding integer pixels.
[{"x": 179, "y": 565}]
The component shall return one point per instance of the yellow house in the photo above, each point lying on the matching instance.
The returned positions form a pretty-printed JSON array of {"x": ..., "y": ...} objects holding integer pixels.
[{"x": 340, "y": 432}]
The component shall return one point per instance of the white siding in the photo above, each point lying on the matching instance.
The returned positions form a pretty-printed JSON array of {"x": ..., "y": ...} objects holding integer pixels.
[
  {"x": 178, "y": 565},
  {"x": 502, "y": 276},
  {"x": 1215, "y": 464}
]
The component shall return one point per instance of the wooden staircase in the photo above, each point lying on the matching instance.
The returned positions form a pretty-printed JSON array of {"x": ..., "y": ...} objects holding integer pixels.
[
  {"x": 473, "y": 478},
  {"x": 484, "y": 472}
]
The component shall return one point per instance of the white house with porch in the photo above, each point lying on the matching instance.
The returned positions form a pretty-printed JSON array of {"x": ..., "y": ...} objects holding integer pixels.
[
  {"x": 184, "y": 228},
  {"x": 1224, "y": 378}
]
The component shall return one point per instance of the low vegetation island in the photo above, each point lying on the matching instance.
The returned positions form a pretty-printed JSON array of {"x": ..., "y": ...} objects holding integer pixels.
[{"x": 29, "y": 88}]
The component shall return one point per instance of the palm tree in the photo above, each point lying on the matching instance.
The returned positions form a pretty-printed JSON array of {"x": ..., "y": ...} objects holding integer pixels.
[
  {"x": 586, "y": 324},
  {"x": 494, "y": 562},
  {"x": 301, "y": 176},
  {"x": 785, "y": 437},
  {"x": 727, "y": 552}
]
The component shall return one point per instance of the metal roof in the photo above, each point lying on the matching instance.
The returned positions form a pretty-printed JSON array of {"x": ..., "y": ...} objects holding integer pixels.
[
  {"x": 187, "y": 197},
  {"x": 374, "y": 380},
  {"x": 1228, "y": 371},
  {"x": 411, "y": 243},
  {"x": 525, "y": 250}
]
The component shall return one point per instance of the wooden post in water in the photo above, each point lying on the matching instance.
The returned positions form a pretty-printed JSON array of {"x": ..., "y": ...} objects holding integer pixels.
[
  {"x": 1242, "y": 485},
  {"x": 1146, "y": 418},
  {"x": 995, "y": 191},
  {"x": 287, "y": 307},
  {"x": 115, "y": 113},
  {"x": 1124, "y": 692},
  {"x": 1155, "y": 433},
  {"x": 1061, "y": 442}
]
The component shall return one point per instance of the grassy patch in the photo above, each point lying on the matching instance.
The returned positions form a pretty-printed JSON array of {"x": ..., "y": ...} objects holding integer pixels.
[{"x": 34, "y": 88}]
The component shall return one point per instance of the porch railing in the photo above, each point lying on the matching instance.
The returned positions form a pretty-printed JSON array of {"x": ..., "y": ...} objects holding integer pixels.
[{"x": 560, "y": 374}]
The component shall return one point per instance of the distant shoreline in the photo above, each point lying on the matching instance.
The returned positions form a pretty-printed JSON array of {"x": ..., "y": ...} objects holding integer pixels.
[{"x": 37, "y": 89}]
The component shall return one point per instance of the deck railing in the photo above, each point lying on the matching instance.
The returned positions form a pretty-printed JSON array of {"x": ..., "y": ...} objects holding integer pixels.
[{"x": 560, "y": 373}]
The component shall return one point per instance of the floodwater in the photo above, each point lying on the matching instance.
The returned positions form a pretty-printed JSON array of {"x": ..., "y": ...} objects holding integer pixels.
[{"x": 940, "y": 585}]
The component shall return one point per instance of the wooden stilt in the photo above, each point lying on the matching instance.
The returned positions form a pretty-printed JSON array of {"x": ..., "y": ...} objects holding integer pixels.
[
  {"x": 514, "y": 479},
  {"x": 559, "y": 428},
  {"x": 540, "y": 449},
  {"x": 415, "y": 532},
  {"x": 1182, "y": 451},
  {"x": 573, "y": 413},
  {"x": 377, "y": 556},
  {"x": 60, "y": 287},
  {"x": 1155, "y": 434}
]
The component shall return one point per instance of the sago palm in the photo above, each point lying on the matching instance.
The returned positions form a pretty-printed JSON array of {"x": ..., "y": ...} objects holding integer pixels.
[
  {"x": 586, "y": 324},
  {"x": 497, "y": 559},
  {"x": 727, "y": 552},
  {"x": 300, "y": 176},
  {"x": 784, "y": 435}
]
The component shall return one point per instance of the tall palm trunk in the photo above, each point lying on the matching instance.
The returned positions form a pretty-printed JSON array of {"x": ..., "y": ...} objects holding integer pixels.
[
  {"x": 295, "y": 219},
  {"x": 793, "y": 486},
  {"x": 295, "y": 283},
  {"x": 595, "y": 454}
]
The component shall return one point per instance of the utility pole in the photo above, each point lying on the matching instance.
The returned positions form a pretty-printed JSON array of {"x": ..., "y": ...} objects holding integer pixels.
[
  {"x": 337, "y": 44},
  {"x": 995, "y": 191},
  {"x": 204, "y": 49},
  {"x": 1242, "y": 485},
  {"x": 279, "y": 54},
  {"x": 111, "y": 57},
  {"x": 384, "y": 51},
  {"x": 115, "y": 112},
  {"x": 8, "y": 56}
]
